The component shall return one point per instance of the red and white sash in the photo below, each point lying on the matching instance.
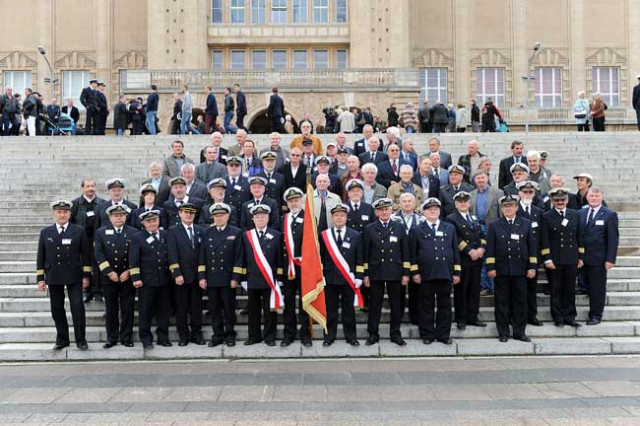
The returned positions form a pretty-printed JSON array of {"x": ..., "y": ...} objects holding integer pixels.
[
  {"x": 276, "y": 302},
  {"x": 342, "y": 265},
  {"x": 291, "y": 248}
]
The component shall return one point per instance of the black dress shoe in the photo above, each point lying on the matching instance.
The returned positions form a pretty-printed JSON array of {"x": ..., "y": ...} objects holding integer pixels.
[
  {"x": 522, "y": 338},
  {"x": 398, "y": 341},
  {"x": 327, "y": 343},
  {"x": 593, "y": 321},
  {"x": 307, "y": 343},
  {"x": 244, "y": 311},
  {"x": 581, "y": 292},
  {"x": 82, "y": 346},
  {"x": 461, "y": 326},
  {"x": 372, "y": 340},
  {"x": 535, "y": 322},
  {"x": 99, "y": 298},
  {"x": 574, "y": 324},
  {"x": 60, "y": 346},
  {"x": 108, "y": 345},
  {"x": 231, "y": 343},
  {"x": 558, "y": 323},
  {"x": 147, "y": 345},
  {"x": 445, "y": 341},
  {"x": 88, "y": 298},
  {"x": 271, "y": 343},
  {"x": 250, "y": 342},
  {"x": 286, "y": 343},
  {"x": 477, "y": 323},
  {"x": 427, "y": 341},
  {"x": 503, "y": 339},
  {"x": 165, "y": 344},
  {"x": 183, "y": 343},
  {"x": 128, "y": 344},
  {"x": 354, "y": 343},
  {"x": 199, "y": 341},
  {"x": 214, "y": 343}
]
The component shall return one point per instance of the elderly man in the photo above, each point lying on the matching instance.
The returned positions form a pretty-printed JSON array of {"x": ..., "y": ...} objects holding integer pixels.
[
  {"x": 116, "y": 196},
  {"x": 324, "y": 200},
  {"x": 373, "y": 191},
  {"x": 217, "y": 188},
  {"x": 393, "y": 138},
  {"x": 210, "y": 168},
  {"x": 352, "y": 171},
  {"x": 294, "y": 172},
  {"x": 195, "y": 188},
  {"x": 519, "y": 173},
  {"x": 536, "y": 174},
  {"x": 388, "y": 171},
  {"x": 178, "y": 197},
  {"x": 456, "y": 173},
  {"x": 305, "y": 128},
  {"x": 275, "y": 180},
  {"x": 308, "y": 157},
  {"x": 441, "y": 174},
  {"x": 445, "y": 157},
  {"x": 374, "y": 155},
  {"x": 323, "y": 166},
  {"x": 471, "y": 160},
  {"x": 238, "y": 148},
  {"x": 282, "y": 154},
  {"x": 408, "y": 154},
  {"x": 341, "y": 142},
  {"x": 340, "y": 166},
  {"x": 159, "y": 182},
  {"x": 216, "y": 142},
  {"x": 362, "y": 145},
  {"x": 404, "y": 186},
  {"x": 176, "y": 160},
  {"x": 258, "y": 187},
  {"x": 426, "y": 180}
]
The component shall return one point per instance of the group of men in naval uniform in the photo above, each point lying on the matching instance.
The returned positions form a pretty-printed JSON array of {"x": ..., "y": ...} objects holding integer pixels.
[{"x": 171, "y": 253}]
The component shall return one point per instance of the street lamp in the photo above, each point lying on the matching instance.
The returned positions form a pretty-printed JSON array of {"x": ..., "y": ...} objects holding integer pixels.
[
  {"x": 48, "y": 80},
  {"x": 528, "y": 78}
]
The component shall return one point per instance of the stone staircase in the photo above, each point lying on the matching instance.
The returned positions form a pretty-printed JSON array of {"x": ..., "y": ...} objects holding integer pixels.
[{"x": 36, "y": 171}]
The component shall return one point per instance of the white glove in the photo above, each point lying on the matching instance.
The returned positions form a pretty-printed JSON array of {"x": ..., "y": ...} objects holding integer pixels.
[
  {"x": 244, "y": 285},
  {"x": 279, "y": 283},
  {"x": 358, "y": 282}
]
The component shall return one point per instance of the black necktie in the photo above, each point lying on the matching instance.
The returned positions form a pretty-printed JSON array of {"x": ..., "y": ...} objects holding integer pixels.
[
  {"x": 233, "y": 181},
  {"x": 62, "y": 230},
  {"x": 268, "y": 176},
  {"x": 260, "y": 234},
  {"x": 156, "y": 236},
  {"x": 355, "y": 207},
  {"x": 469, "y": 221},
  {"x": 436, "y": 173},
  {"x": 384, "y": 224},
  {"x": 433, "y": 228},
  {"x": 590, "y": 218},
  {"x": 528, "y": 210},
  {"x": 339, "y": 238},
  {"x": 118, "y": 231},
  {"x": 561, "y": 213},
  {"x": 190, "y": 229}
]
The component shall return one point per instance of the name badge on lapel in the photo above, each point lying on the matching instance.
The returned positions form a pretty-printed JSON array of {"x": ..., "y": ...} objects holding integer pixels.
[
  {"x": 66, "y": 241},
  {"x": 150, "y": 240},
  {"x": 515, "y": 237},
  {"x": 473, "y": 217},
  {"x": 439, "y": 234},
  {"x": 90, "y": 214},
  {"x": 268, "y": 236},
  {"x": 237, "y": 188},
  {"x": 299, "y": 220},
  {"x": 364, "y": 217},
  {"x": 346, "y": 245},
  {"x": 599, "y": 222},
  {"x": 272, "y": 181},
  {"x": 534, "y": 224},
  {"x": 393, "y": 239},
  {"x": 231, "y": 237},
  {"x": 565, "y": 222},
  {"x": 108, "y": 232}
]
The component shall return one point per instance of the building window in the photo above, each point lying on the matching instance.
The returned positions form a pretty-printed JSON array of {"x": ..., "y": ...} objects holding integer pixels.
[
  {"x": 259, "y": 59},
  {"x": 18, "y": 80},
  {"x": 216, "y": 11},
  {"x": 341, "y": 10},
  {"x": 548, "y": 87},
  {"x": 433, "y": 82},
  {"x": 490, "y": 84},
  {"x": 237, "y": 11},
  {"x": 320, "y": 11},
  {"x": 320, "y": 59},
  {"x": 300, "y": 59},
  {"x": 606, "y": 81},
  {"x": 342, "y": 61},
  {"x": 279, "y": 11},
  {"x": 217, "y": 60},
  {"x": 300, "y": 11},
  {"x": 258, "y": 11},
  {"x": 280, "y": 59},
  {"x": 237, "y": 59},
  {"x": 72, "y": 84}
]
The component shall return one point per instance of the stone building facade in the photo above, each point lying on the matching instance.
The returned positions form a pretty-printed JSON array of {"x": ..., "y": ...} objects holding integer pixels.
[{"x": 334, "y": 52}]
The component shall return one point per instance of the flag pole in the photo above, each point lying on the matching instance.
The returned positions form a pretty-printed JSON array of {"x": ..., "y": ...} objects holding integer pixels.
[{"x": 310, "y": 319}]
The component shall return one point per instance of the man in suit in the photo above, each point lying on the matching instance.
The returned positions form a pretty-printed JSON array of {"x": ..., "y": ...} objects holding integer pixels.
[
  {"x": 241, "y": 107},
  {"x": 216, "y": 142},
  {"x": 71, "y": 110},
  {"x": 176, "y": 160},
  {"x": 159, "y": 182},
  {"x": 471, "y": 245},
  {"x": 261, "y": 273},
  {"x": 282, "y": 154},
  {"x": 275, "y": 180},
  {"x": 511, "y": 258},
  {"x": 374, "y": 155},
  {"x": 426, "y": 180},
  {"x": 362, "y": 145},
  {"x": 178, "y": 197},
  {"x": 220, "y": 253},
  {"x": 102, "y": 110},
  {"x": 150, "y": 275},
  {"x": 600, "y": 236},
  {"x": 341, "y": 143},
  {"x": 251, "y": 164},
  {"x": 195, "y": 188},
  {"x": 112, "y": 243},
  {"x": 294, "y": 172},
  {"x": 441, "y": 174},
  {"x": 237, "y": 188},
  {"x": 341, "y": 249},
  {"x": 389, "y": 171},
  {"x": 217, "y": 189},
  {"x": 408, "y": 154},
  {"x": 324, "y": 200},
  {"x": 562, "y": 252},
  {"x": 183, "y": 251},
  {"x": 471, "y": 160},
  {"x": 64, "y": 260},
  {"x": 292, "y": 226},
  {"x": 517, "y": 157},
  {"x": 88, "y": 99},
  {"x": 323, "y": 167},
  {"x": 275, "y": 111},
  {"x": 210, "y": 168},
  {"x": 210, "y": 110},
  {"x": 435, "y": 266},
  {"x": 387, "y": 263},
  {"x": 238, "y": 148},
  {"x": 445, "y": 157},
  {"x": 456, "y": 174},
  {"x": 115, "y": 187},
  {"x": 257, "y": 188}
]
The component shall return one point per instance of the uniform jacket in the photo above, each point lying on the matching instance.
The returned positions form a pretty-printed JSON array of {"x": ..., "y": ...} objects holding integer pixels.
[
  {"x": 246, "y": 221},
  {"x": 182, "y": 255},
  {"x": 137, "y": 223},
  {"x": 562, "y": 243},
  {"x": 600, "y": 237},
  {"x": 172, "y": 209},
  {"x": 469, "y": 237},
  {"x": 511, "y": 251},
  {"x": 275, "y": 187},
  {"x": 358, "y": 220},
  {"x": 504, "y": 176},
  {"x": 206, "y": 219},
  {"x": 148, "y": 259},
  {"x": 112, "y": 251},
  {"x": 351, "y": 250},
  {"x": 446, "y": 197},
  {"x": 535, "y": 216},
  {"x": 297, "y": 230},
  {"x": 102, "y": 216},
  {"x": 236, "y": 195},
  {"x": 88, "y": 98},
  {"x": 63, "y": 259},
  {"x": 435, "y": 256},
  {"x": 386, "y": 251},
  {"x": 271, "y": 245},
  {"x": 220, "y": 252}
]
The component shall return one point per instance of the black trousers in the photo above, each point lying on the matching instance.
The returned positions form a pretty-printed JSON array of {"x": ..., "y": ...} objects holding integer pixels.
[
  {"x": 563, "y": 292},
  {"x": 466, "y": 295},
  {"x": 89, "y": 123},
  {"x": 154, "y": 301},
  {"x": 532, "y": 298},
  {"x": 119, "y": 300},
  {"x": 435, "y": 293},
  {"x": 222, "y": 304},
  {"x": 95, "y": 287},
  {"x": 340, "y": 296},
  {"x": 188, "y": 299},
  {"x": 289, "y": 291},
  {"x": 414, "y": 302},
  {"x": 99, "y": 123},
  {"x": 59, "y": 314},
  {"x": 598, "y": 124},
  {"x": 276, "y": 125},
  {"x": 259, "y": 304},
  {"x": 596, "y": 281},
  {"x": 240, "y": 120},
  {"x": 511, "y": 305},
  {"x": 376, "y": 300}
]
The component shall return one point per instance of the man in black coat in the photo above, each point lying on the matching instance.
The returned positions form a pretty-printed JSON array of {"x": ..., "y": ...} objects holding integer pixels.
[
  {"x": 635, "y": 103},
  {"x": 241, "y": 107},
  {"x": 294, "y": 172},
  {"x": 210, "y": 111},
  {"x": 102, "y": 111},
  {"x": 88, "y": 99},
  {"x": 374, "y": 155},
  {"x": 120, "y": 116},
  {"x": 504, "y": 176},
  {"x": 389, "y": 171},
  {"x": 64, "y": 260},
  {"x": 275, "y": 111},
  {"x": 220, "y": 253},
  {"x": 360, "y": 213},
  {"x": 275, "y": 180},
  {"x": 456, "y": 173},
  {"x": 115, "y": 187},
  {"x": 426, "y": 180},
  {"x": 71, "y": 111},
  {"x": 257, "y": 188},
  {"x": 183, "y": 251},
  {"x": 178, "y": 197},
  {"x": 237, "y": 189}
]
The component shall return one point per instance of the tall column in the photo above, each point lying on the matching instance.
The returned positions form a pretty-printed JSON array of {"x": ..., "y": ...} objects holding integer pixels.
[
  {"x": 462, "y": 55},
  {"x": 633, "y": 42},
  {"x": 520, "y": 51},
  {"x": 577, "y": 45},
  {"x": 45, "y": 17},
  {"x": 104, "y": 43}
]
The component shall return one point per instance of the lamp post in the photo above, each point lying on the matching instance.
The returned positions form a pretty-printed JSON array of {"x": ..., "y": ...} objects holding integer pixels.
[
  {"x": 48, "y": 80},
  {"x": 528, "y": 78}
]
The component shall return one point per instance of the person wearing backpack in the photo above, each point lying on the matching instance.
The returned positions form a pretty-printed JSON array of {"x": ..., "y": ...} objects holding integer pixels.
[{"x": 581, "y": 110}]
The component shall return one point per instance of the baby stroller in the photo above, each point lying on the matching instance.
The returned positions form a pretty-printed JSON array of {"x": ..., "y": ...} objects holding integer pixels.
[{"x": 63, "y": 126}]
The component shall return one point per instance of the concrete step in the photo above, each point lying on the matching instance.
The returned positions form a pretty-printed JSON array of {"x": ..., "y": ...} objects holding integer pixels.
[
  {"x": 7, "y": 256},
  {"x": 6, "y": 246},
  {"x": 460, "y": 347}
]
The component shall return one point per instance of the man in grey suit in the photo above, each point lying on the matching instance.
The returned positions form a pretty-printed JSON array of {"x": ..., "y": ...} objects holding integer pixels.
[
  {"x": 282, "y": 154},
  {"x": 195, "y": 188},
  {"x": 438, "y": 171},
  {"x": 175, "y": 161},
  {"x": 211, "y": 168},
  {"x": 485, "y": 207},
  {"x": 445, "y": 157}
]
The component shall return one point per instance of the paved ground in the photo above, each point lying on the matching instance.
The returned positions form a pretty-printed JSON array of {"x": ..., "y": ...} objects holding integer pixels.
[{"x": 532, "y": 391}]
